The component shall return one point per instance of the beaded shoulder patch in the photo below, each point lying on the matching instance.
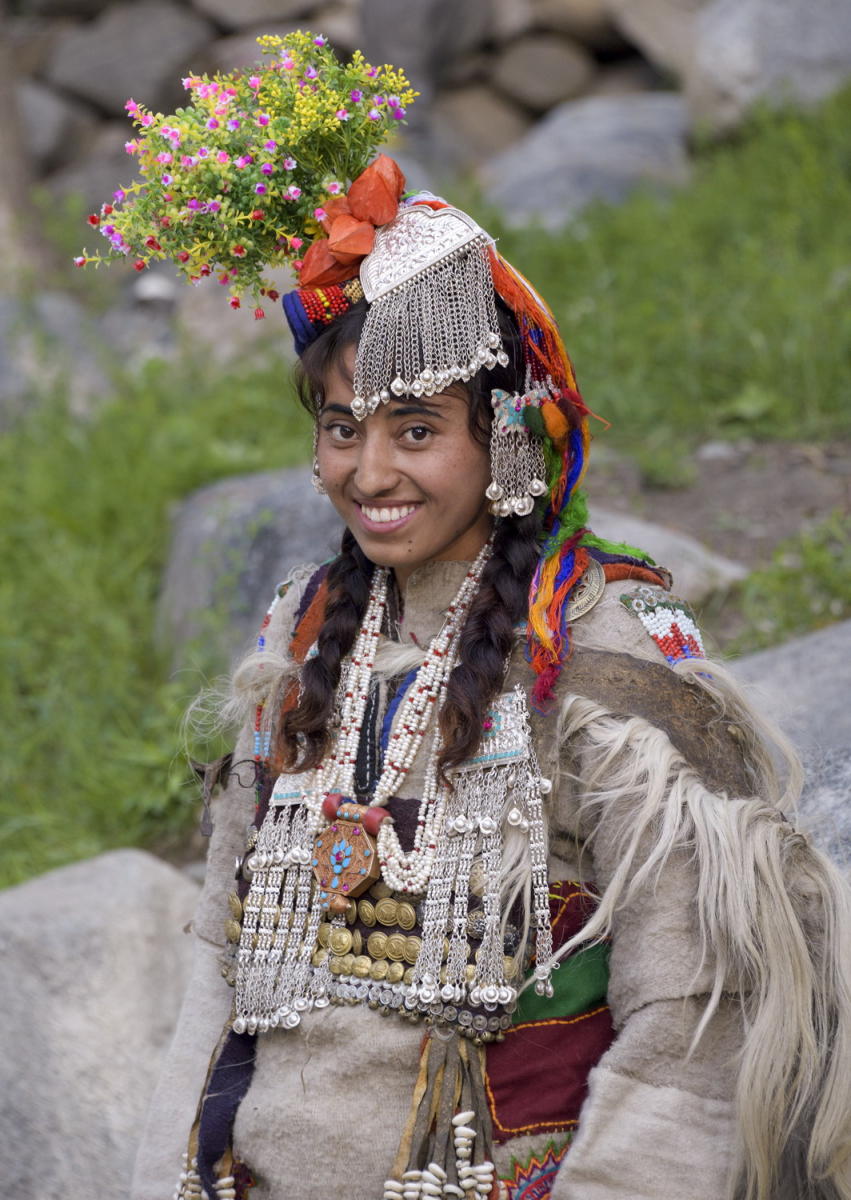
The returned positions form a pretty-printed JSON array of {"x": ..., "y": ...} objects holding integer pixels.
[{"x": 669, "y": 622}]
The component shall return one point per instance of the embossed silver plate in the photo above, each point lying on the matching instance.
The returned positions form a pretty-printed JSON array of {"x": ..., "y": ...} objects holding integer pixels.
[{"x": 415, "y": 240}]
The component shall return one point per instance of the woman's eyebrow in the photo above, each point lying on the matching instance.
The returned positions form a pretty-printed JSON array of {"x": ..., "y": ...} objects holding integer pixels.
[
  {"x": 343, "y": 409},
  {"x": 416, "y": 409}
]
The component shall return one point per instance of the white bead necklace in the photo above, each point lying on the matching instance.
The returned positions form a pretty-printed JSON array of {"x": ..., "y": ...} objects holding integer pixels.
[{"x": 405, "y": 872}]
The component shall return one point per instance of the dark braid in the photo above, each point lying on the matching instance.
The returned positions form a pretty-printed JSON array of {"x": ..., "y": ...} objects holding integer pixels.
[
  {"x": 303, "y": 732},
  {"x": 487, "y": 638}
]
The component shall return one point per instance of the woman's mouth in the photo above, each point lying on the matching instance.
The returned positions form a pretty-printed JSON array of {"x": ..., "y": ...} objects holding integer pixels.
[{"x": 387, "y": 517}]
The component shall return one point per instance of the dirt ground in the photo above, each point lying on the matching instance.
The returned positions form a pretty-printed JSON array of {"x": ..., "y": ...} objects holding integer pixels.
[{"x": 744, "y": 498}]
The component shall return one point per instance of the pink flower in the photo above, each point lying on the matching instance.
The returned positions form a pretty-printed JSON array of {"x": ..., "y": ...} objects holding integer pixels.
[
  {"x": 296, "y": 243},
  {"x": 79, "y": 261},
  {"x": 166, "y": 178},
  {"x": 187, "y": 160},
  {"x": 131, "y": 147},
  {"x": 233, "y": 123},
  {"x": 378, "y": 100},
  {"x": 320, "y": 40},
  {"x": 222, "y": 156},
  {"x": 288, "y": 64},
  {"x": 238, "y": 251},
  {"x": 334, "y": 188},
  {"x": 270, "y": 145},
  {"x": 356, "y": 95},
  {"x": 290, "y": 164},
  {"x": 132, "y": 107},
  {"x": 107, "y": 230},
  {"x": 259, "y": 314},
  {"x": 341, "y": 114},
  {"x": 212, "y": 123},
  {"x": 119, "y": 195},
  {"x": 203, "y": 152},
  {"x": 293, "y": 192},
  {"x": 212, "y": 206},
  {"x": 393, "y": 101},
  {"x": 298, "y": 263},
  {"x": 260, "y": 189},
  {"x": 147, "y": 119},
  {"x": 267, "y": 169},
  {"x": 374, "y": 114},
  {"x": 372, "y": 72},
  {"x": 262, "y": 119},
  {"x": 234, "y": 302},
  {"x": 254, "y": 82},
  {"x": 165, "y": 157},
  {"x": 399, "y": 113},
  {"x": 244, "y": 160},
  {"x": 194, "y": 204},
  {"x": 310, "y": 73},
  {"x": 320, "y": 214}
]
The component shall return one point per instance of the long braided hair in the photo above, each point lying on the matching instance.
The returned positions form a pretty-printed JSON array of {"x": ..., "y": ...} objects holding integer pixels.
[{"x": 501, "y": 603}]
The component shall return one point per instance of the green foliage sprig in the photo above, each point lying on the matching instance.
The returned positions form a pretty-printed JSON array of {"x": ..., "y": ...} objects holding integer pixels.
[{"x": 235, "y": 182}]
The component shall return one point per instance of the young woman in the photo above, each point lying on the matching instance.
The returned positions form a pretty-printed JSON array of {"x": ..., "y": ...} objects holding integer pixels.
[{"x": 501, "y": 900}]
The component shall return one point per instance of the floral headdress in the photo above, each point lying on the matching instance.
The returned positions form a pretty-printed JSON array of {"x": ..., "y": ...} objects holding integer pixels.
[{"x": 245, "y": 175}]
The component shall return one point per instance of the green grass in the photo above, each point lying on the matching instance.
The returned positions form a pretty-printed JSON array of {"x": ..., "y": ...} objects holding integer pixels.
[
  {"x": 90, "y": 723},
  {"x": 721, "y": 310}
]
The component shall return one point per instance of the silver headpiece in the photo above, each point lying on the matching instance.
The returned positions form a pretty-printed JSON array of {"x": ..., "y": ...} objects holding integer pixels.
[{"x": 432, "y": 317}]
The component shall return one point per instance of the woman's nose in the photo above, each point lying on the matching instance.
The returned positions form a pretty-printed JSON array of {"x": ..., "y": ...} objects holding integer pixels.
[{"x": 376, "y": 471}]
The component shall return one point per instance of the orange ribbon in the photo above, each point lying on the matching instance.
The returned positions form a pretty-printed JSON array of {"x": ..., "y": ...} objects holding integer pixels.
[{"x": 350, "y": 222}]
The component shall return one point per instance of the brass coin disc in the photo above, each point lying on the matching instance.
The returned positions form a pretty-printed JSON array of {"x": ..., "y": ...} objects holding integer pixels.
[
  {"x": 340, "y": 941},
  {"x": 319, "y": 955},
  {"x": 378, "y": 970},
  {"x": 352, "y": 912},
  {"x": 376, "y": 944},
  {"x": 408, "y": 977},
  {"x": 324, "y": 933},
  {"x": 396, "y": 946},
  {"x": 386, "y": 911},
  {"x": 357, "y": 941},
  {"x": 347, "y": 962},
  {"x": 233, "y": 930},
  {"x": 406, "y": 915},
  {"x": 412, "y": 949},
  {"x": 235, "y": 906},
  {"x": 335, "y": 964},
  {"x": 366, "y": 912},
  {"x": 360, "y": 966},
  {"x": 395, "y": 972}
]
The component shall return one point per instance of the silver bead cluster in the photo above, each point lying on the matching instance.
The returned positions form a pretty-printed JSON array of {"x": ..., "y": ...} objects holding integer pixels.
[{"x": 517, "y": 456}]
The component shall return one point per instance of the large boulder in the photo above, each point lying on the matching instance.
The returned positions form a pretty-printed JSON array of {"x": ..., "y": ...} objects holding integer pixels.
[
  {"x": 771, "y": 50},
  {"x": 804, "y": 685},
  {"x": 134, "y": 50},
  {"x": 663, "y": 29},
  {"x": 95, "y": 962},
  {"x": 588, "y": 21},
  {"x": 249, "y": 12},
  {"x": 475, "y": 122},
  {"x": 232, "y": 543},
  {"x": 56, "y": 129},
  {"x": 600, "y": 148},
  {"x": 697, "y": 571},
  {"x": 541, "y": 70}
]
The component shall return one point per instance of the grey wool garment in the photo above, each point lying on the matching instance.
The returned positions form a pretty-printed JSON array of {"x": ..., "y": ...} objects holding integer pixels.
[{"x": 664, "y": 1117}]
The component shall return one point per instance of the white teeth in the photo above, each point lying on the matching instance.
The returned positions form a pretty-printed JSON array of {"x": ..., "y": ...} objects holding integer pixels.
[{"x": 384, "y": 515}]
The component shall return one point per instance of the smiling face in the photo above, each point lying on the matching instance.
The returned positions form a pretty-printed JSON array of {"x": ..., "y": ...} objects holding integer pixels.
[{"x": 409, "y": 480}]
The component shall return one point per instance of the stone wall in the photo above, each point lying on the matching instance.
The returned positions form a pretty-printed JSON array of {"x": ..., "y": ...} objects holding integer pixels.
[{"x": 493, "y": 75}]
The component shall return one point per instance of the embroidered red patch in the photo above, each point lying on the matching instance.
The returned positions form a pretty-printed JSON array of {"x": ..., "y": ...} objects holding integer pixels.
[{"x": 537, "y": 1079}]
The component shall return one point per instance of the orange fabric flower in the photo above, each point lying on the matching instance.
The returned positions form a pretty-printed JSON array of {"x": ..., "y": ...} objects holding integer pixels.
[{"x": 350, "y": 222}]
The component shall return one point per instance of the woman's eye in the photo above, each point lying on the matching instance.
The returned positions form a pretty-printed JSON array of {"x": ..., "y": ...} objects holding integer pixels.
[
  {"x": 417, "y": 433},
  {"x": 339, "y": 432}
]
